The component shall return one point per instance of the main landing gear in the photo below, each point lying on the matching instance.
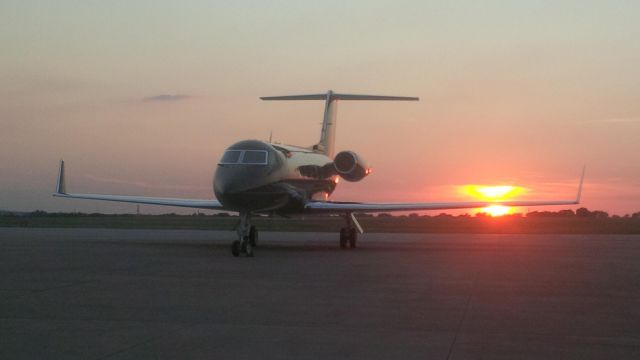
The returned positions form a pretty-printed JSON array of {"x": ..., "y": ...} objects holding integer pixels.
[
  {"x": 349, "y": 234},
  {"x": 248, "y": 237}
]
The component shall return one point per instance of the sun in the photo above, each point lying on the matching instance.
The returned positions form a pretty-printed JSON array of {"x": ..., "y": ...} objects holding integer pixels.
[
  {"x": 496, "y": 210},
  {"x": 493, "y": 193}
]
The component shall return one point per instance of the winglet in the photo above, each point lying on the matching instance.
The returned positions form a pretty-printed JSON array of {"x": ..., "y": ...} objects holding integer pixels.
[
  {"x": 580, "y": 186},
  {"x": 61, "y": 187}
]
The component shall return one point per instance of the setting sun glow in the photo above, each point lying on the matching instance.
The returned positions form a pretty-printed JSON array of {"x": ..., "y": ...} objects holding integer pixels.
[
  {"x": 496, "y": 210},
  {"x": 493, "y": 193}
]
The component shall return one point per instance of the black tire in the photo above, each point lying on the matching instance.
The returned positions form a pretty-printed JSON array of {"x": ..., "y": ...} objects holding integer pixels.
[
  {"x": 253, "y": 236},
  {"x": 353, "y": 238},
  {"x": 246, "y": 247},
  {"x": 343, "y": 238},
  {"x": 235, "y": 248}
]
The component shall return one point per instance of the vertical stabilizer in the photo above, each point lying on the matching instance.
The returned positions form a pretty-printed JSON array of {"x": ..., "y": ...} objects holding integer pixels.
[{"x": 326, "y": 145}]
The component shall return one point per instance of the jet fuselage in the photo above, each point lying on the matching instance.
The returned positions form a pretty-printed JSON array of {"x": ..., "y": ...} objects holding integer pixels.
[{"x": 260, "y": 177}]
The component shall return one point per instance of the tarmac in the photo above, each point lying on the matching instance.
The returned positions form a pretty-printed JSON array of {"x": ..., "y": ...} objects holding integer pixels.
[{"x": 174, "y": 294}]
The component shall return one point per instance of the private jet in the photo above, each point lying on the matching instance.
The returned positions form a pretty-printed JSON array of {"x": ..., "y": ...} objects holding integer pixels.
[{"x": 256, "y": 177}]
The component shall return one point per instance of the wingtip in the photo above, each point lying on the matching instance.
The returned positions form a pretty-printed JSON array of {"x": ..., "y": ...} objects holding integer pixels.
[
  {"x": 579, "y": 195},
  {"x": 61, "y": 188}
]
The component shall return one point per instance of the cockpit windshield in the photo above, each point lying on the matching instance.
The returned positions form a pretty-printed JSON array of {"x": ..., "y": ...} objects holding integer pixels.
[
  {"x": 255, "y": 157},
  {"x": 246, "y": 157},
  {"x": 231, "y": 157}
]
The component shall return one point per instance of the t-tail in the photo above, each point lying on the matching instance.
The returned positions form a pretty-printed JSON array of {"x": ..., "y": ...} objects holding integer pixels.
[{"x": 326, "y": 145}]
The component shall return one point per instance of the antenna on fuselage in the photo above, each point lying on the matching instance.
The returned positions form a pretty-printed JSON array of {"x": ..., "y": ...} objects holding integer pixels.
[{"x": 326, "y": 145}]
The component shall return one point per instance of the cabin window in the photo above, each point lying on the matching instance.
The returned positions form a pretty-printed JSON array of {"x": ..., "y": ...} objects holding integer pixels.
[
  {"x": 254, "y": 157},
  {"x": 231, "y": 157}
]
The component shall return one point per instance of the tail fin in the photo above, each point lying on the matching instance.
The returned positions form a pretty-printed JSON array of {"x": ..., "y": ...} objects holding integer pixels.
[{"x": 327, "y": 135}]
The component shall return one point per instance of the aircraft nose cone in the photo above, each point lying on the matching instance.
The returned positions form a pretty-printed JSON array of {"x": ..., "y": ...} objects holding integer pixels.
[
  {"x": 234, "y": 180},
  {"x": 225, "y": 185}
]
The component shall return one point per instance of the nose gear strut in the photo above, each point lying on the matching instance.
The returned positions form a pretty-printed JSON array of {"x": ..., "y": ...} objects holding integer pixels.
[
  {"x": 349, "y": 234},
  {"x": 248, "y": 236}
]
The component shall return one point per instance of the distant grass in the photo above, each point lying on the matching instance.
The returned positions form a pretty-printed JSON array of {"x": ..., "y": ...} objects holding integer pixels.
[{"x": 396, "y": 224}]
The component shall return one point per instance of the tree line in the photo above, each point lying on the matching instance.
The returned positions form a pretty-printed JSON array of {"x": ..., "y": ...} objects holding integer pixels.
[{"x": 567, "y": 213}]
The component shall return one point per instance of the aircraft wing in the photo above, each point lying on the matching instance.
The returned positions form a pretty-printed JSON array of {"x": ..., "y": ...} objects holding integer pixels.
[
  {"x": 347, "y": 207},
  {"x": 190, "y": 203}
]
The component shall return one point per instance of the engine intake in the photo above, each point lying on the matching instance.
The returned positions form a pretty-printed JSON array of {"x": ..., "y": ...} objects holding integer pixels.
[{"x": 350, "y": 166}]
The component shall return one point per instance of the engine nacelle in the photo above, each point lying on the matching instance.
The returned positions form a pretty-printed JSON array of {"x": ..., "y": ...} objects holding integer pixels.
[{"x": 350, "y": 166}]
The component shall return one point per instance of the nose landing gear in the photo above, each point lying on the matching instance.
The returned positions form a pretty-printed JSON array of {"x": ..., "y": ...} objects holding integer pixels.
[
  {"x": 253, "y": 236},
  {"x": 248, "y": 237},
  {"x": 349, "y": 234}
]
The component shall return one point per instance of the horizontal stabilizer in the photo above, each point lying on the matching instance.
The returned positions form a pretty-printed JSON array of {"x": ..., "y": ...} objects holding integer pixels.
[
  {"x": 296, "y": 97},
  {"x": 333, "y": 96}
]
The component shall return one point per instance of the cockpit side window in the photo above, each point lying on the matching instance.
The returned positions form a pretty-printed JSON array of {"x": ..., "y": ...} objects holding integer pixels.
[
  {"x": 231, "y": 157},
  {"x": 254, "y": 157}
]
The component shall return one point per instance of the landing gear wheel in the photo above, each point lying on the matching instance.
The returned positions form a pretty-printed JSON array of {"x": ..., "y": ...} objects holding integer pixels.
[
  {"x": 343, "y": 238},
  {"x": 246, "y": 247},
  {"x": 353, "y": 238},
  {"x": 235, "y": 248},
  {"x": 253, "y": 236}
]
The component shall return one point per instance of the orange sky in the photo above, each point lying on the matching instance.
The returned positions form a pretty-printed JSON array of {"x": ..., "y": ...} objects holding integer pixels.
[{"x": 518, "y": 94}]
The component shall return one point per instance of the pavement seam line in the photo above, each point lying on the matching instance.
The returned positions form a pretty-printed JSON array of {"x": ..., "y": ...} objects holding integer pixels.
[{"x": 464, "y": 316}]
